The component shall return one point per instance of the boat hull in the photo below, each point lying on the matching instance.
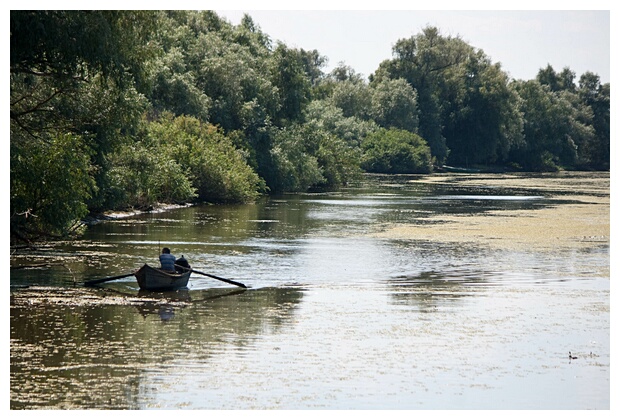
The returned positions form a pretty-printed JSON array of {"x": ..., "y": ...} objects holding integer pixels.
[{"x": 154, "y": 279}]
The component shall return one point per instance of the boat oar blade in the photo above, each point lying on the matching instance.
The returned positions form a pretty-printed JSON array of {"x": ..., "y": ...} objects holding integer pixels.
[
  {"x": 236, "y": 283},
  {"x": 103, "y": 280}
]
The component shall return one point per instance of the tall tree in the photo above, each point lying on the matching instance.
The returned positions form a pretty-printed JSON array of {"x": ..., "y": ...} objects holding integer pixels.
[
  {"x": 288, "y": 75},
  {"x": 349, "y": 92},
  {"x": 590, "y": 101},
  {"x": 597, "y": 96},
  {"x": 53, "y": 52},
  {"x": 481, "y": 116},
  {"x": 565, "y": 80},
  {"x": 464, "y": 100},
  {"x": 394, "y": 104},
  {"x": 552, "y": 128},
  {"x": 424, "y": 61}
]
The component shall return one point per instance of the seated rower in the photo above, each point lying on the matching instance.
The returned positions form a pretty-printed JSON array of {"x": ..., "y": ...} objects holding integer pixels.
[{"x": 167, "y": 260}]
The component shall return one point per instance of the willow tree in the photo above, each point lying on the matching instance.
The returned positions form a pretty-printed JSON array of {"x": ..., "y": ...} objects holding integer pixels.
[
  {"x": 394, "y": 104},
  {"x": 597, "y": 96},
  {"x": 75, "y": 82},
  {"x": 467, "y": 110},
  {"x": 424, "y": 61},
  {"x": 589, "y": 116},
  {"x": 552, "y": 128},
  {"x": 481, "y": 117}
]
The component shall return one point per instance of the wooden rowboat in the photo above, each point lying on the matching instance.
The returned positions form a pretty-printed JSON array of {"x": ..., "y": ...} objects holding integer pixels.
[{"x": 154, "y": 279}]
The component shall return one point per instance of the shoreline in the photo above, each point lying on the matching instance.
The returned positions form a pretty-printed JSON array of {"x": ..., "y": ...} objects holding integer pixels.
[
  {"x": 92, "y": 220},
  {"x": 116, "y": 214}
]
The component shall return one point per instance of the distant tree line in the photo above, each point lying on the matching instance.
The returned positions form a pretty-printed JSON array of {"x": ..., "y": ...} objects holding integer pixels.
[{"x": 122, "y": 109}]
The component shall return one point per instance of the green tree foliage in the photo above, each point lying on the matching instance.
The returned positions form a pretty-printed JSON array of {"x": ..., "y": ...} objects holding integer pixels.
[
  {"x": 175, "y": 89},
  {"x": 466, "y": 108},
  {"x": 295, "y": 165},
  {"x": 566, "y": 126},
  {"x": 324, "y": 115},
  {"x": 596, "y": 96},
  {"x": 349, "y": 92},
  {"x": 143, "y": 175},
  {"x": 75, "y": 45},
  {"x": 178, "y": 106},
  {"x": 289, "y": 77},
  {"x": 178, "y": 159},
  {"x": 214, "y": 71},
  {"x": 565, "y": 80},
  {"x": 551, "y": 128},
  {"x": 309, "y": 157},
  {"x": 50, "y": 183},
  {"x": 62, "y": 62},
  {"x": 396, "y": 151},
  {"x": 394, "y": 105},
  {"x": 73, "y": 75},
  {"x": 339, "y": 162},
  {"x": 482, "y": 122},
  {"x": 425, "y": 62},
  {"x": 216, "y": 168}
]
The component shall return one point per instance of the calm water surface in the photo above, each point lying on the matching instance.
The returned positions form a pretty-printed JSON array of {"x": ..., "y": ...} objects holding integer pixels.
[{"x": 334, "y": 318}]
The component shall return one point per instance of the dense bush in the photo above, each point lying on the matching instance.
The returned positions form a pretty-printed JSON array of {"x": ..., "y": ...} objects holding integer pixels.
[
  {"x": 395, "y": 151},
  {"x": 339, "y": 162},
  {"x": 143, "y": 175},
  {"x": 180, "y": 159},
  {"x": 216, "y": 168},
  {"x": 295, "y": 165},
  {"x": 306, "y": 157}
]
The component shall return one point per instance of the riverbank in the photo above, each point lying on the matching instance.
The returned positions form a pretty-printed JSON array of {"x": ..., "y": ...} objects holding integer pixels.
[
  {"x": 118, "y": 214},
  {"x": 43, "y": 254}
]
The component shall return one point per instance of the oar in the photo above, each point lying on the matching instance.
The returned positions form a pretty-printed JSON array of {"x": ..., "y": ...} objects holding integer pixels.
[
  {"x": 236, "y": 283},
  {"x": 103, "y": 280}
]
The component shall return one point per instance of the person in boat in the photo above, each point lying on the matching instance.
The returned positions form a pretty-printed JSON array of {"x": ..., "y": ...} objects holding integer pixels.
[
  {"x": 182, "y": 265},
  {"x": 167, "y": 260}
]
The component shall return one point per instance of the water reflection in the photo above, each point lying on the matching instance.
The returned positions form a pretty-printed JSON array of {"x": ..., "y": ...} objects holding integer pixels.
[
  {"x": 70, "y": 348},
  {"x": 432, "y": 289},
  {"x": 224, "y": 239}
]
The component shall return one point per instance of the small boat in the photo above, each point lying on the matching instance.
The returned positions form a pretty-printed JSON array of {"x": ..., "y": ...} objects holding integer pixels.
[
  {"x": 445, "y": 168},
  {"x": 154, "y": 279}
]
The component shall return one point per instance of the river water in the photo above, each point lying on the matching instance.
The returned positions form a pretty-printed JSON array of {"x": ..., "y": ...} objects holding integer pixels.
[{"x": 402, "y": 292}]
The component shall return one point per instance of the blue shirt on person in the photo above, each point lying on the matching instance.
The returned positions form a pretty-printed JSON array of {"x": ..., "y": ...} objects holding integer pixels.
[{"x": 167, "y": 261}]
